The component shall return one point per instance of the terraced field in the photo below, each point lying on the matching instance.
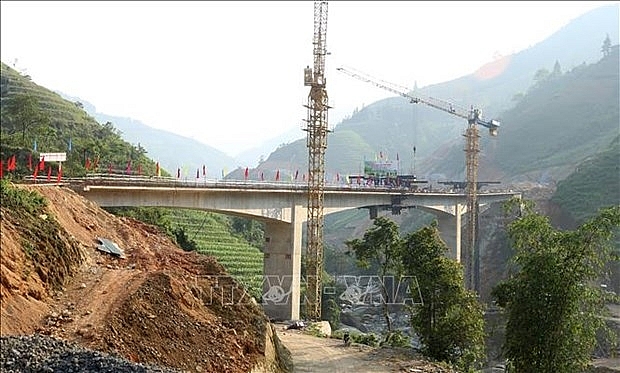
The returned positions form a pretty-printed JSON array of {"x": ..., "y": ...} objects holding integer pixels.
[{"x": 211, "y": 233}]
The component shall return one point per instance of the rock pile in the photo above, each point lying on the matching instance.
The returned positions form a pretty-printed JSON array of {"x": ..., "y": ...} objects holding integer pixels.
[{"x": 40, "y": 353}]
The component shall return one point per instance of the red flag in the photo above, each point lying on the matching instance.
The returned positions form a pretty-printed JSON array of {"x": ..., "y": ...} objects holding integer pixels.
[
  {"x": 278, "y": 175},
  {"x": 178, "y": 173},
  {"x": 96, "y": 163},
  {"x": 35, "y": 173},
  {"x": 128, "y": 169},
  {"x": 11, "y": 163},
  {"x": 110, "y": 168},
  {"x": 59, "y": 173},
  {"x": 42, "y": 164},
  {"x": 139, "y": 169},
  {"x": 197, "y": 173},
  {"x": 247, "y": 173},
  {"x": 87, "y": 164},
  {"x": 1, "y": 168},
  {"x": 29, "y": 162},
  {"x": 49, "y": 172},
  {"x": 204, "y": 170},
  {"x": 157, "y": 169}
]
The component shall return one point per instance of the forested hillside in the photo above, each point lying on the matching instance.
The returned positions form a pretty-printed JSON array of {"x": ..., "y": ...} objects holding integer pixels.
[{"x": 36, "y": 120}]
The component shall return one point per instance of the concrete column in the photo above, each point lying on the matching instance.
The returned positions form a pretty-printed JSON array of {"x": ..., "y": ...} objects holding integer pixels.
[
  {"x": 282, "y": 267},
  {"x": 450, "y": 231}
]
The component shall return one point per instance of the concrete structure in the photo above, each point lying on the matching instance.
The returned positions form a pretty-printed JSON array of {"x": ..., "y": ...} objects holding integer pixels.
[{"x": 282, "y": 207}]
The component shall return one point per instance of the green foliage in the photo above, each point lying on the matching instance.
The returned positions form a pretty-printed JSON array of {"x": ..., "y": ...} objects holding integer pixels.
[
  {"x": 32, "y": 113},
  {"x": 212, "y": 234},
  {"x": 17, "y": 200},
  {"x": 25, "y": 119},
  {"x": 450, "y": 320},
  {"x": 381, "y": 246},
  {"x": 369, "y": 339},
  {"x": 560, "y": 123},
  {"x": 151, "y": 215},
  {"x": 554, "y": 304},
  {"x": 396, "y": 338},
  {"x": 595, "y": 184},
  {"x": 333, "y": 314},
  {"x": 183, "y": 240},
  {"x": 53, "y": 254},
  {"x": 250, "y": 230}
]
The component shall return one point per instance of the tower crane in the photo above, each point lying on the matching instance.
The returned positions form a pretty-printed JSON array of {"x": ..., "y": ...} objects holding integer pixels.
[
  {"x": 473, "y": 115},
  {"x": 316, "y": 126}
]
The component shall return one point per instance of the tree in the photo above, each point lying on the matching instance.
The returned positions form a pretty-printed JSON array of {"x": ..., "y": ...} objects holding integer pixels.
[
  {"x": 606, "y": 47},
  {"x": 557, "y": 69},
  {"x": 450, "y": 320},
  {"x": 541, "y": 75},
  {"x": 381, "y": 246},
  {"x": 25, "y": 116},
  {"x": 554, "y": 306}
]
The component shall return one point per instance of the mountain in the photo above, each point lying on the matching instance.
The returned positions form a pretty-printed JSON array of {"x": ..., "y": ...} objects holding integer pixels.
[
  {"x": 561, "y": 121},
  {"x": 36, "y": 120},
  {"x": 172, "y": 151},
  {"x": 394, "y": 126}
]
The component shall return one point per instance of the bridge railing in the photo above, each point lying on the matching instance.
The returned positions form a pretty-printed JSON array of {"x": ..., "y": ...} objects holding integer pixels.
[{"x": 172, "y": 182}]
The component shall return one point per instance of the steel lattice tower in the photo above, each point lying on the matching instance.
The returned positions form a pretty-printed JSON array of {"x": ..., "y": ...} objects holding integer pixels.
[
  {"x": 472, "y": 149},
  {"x": 317, "y": 129}
]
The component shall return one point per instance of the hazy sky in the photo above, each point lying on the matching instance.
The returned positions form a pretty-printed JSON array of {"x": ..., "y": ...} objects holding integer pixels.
[{"x": 230, "y": 73}]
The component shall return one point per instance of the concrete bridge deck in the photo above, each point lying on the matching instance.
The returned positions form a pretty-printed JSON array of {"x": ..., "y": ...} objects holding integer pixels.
[{"x": 282, "y": 207}]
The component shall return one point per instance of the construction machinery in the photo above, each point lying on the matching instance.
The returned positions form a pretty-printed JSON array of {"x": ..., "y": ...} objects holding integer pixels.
[
  {"x": 316, "y": 126},
  {"x": 470, "y": 256}
]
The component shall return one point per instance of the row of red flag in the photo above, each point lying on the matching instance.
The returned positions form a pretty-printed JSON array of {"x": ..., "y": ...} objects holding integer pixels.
[{"x": 11, "y": 165}]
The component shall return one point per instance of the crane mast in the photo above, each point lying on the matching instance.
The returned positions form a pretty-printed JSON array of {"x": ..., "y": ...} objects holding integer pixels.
[
  {"x": 470, "y": 256},
  {"x": 317, "y": 128}
]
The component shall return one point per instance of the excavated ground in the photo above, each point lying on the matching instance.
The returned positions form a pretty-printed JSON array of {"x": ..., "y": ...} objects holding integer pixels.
[{"x": 158, "y": 305}]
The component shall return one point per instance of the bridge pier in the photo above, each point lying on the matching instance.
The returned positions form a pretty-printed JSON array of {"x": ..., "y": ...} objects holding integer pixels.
[
  {"x": 450, "y": 228},
  {"x": 282, "y": 266}
]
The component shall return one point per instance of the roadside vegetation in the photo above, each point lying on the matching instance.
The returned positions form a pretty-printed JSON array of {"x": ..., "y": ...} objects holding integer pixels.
[{"x": 555, "y": 306}]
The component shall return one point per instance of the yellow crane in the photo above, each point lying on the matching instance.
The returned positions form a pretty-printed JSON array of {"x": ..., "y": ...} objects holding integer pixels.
[
  {"x": 316, "y": 126},
  {"x": 470, "y": 255}
]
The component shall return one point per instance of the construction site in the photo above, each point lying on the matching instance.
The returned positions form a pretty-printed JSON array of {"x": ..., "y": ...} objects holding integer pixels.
[{"x": 83, "y": 289}]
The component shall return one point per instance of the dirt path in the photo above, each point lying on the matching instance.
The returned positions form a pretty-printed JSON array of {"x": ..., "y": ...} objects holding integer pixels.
[
  {"x": 326, "y": 355},
  {"x": 313, "y": 354}
]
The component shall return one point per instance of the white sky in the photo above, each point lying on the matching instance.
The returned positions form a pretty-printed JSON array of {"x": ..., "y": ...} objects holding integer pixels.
[{"x": 230, "y": 73}]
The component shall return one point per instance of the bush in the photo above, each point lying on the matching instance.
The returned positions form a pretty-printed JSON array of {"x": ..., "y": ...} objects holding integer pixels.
[{"x": 396, "y": 338}]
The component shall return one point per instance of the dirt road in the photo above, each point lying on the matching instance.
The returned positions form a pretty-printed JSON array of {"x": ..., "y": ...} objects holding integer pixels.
[{"x": 326, "y": 355}]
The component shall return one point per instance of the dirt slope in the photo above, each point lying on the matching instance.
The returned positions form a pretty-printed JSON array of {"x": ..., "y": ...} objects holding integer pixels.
[{"x": 157, "y": 305}]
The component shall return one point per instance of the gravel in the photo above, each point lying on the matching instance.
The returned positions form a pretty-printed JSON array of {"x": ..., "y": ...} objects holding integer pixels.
[{"x": 39, "y": 353}]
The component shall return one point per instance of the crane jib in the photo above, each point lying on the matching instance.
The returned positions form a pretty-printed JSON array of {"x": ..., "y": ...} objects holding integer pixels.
[{"x": 472, "y": 115}]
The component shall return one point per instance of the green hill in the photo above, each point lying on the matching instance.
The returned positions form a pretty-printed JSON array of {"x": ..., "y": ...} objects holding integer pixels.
[
  {"x": 33, "y": 114},
  {"x": 594, "y": 184}
]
